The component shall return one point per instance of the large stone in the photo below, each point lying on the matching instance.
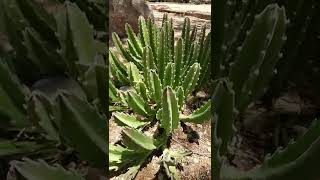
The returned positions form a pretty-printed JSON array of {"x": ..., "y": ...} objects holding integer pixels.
[{"x": 126, "y": 11}]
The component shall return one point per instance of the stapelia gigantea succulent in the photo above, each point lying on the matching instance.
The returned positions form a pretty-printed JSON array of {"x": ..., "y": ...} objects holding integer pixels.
[
  {"x": 247, "y": 46},
  {"x": 64, "y": 98},
  {"x": 285, "y": 163},
  {"x": 160, "y": 42},
  {"x": 251, "y": 69},
  {"x": 160, "y": 74}
]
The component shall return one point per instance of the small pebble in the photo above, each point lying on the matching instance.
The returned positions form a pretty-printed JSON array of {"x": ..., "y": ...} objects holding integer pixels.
[
  {"x": 201, "y": 94},
  {"x": 196, "y": 160},
  {"x": 184, "y": 136}
]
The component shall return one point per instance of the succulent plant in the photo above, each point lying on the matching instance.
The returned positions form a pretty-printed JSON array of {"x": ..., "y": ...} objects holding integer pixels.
[
  {"x": 169, "y": 160},
  {"x": 37, "y": 170},
  {"x": 286, "y": 163},
  {"x": 96, "y": 11},
  {"x": 160, "y": 79},
  {"x": 242, "y": 70},
  {"x": 160, "y": 42},
  {"x": 301, "y": 33},
  {"x": 53, "y": 87},
  {"x": 247, "y": 55},
  {"x": 44, "y": 37}
]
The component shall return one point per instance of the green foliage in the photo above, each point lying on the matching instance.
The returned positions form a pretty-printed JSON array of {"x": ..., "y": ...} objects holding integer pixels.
[
  {"x": 138, "y": 149},
  {"x": 159, "y": 74},
  {"x": 284, "y": 163},
  {"x": 150, "y": 83},
  {"x": 12, "y": 95},
  {"x": 89, "y": 134},
  {"x": 79, "y": 58},
  {"x": 53, "y": 86},
  {"x": 242, "y": 82},
  {"x": 155, "y": 47},
  {"x": 11, "y": 149},
  {"x": 95, "y": 11},
  {"x": 64, "y": 112},
  {"x": 169, "y": 161},
  {"x": 38, "y": 170},
  {"x": 248, "y": 55},
  {"x": 50, "y": 41},
  {"x": 301, "y": 43}
]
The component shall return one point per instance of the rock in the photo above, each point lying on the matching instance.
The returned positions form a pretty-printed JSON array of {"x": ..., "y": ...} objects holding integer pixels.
[
  {"x": 195, "y": 160},
  {"x": 202, "y": 11},
  {"x": 178, "y": 12},
  {"x": 290, "y": 103},
  {"x": 300, "y": 130},
  {"x": 96, "y": 174},
  {"x": 4, "y": 43},
  {"x": 201, "y": 94},
  {"x": 126, "y": 11}
]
